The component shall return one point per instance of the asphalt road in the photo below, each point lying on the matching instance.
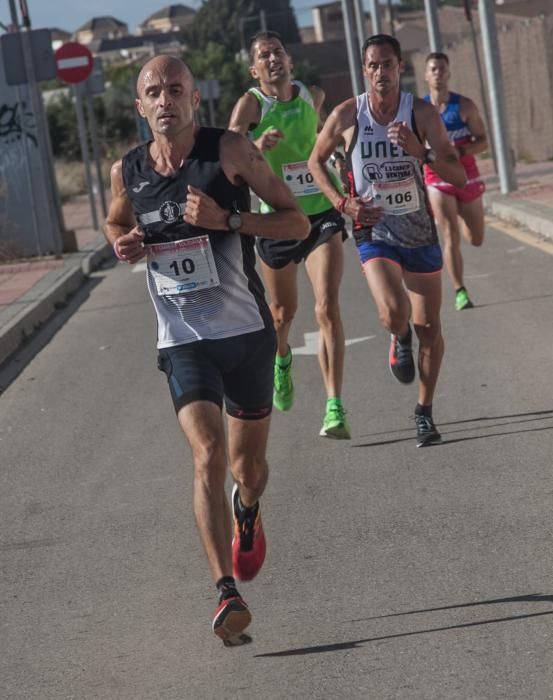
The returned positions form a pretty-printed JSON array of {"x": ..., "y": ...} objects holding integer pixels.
[{"x": 392, "y": 572}]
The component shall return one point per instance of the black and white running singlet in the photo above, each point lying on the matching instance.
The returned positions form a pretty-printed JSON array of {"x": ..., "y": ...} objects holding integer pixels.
[
  {"x": 203, "y": 283},
  {"x": 393, "y": 179}
]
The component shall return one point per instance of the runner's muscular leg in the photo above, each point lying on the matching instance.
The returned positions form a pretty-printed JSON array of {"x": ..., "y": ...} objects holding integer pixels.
[
  {"x": 247, "y": 456},
  {"x": 472, "y": 221},
  {"x": 445, "y": 210},
  {"x": 202, "y": 423},
  {"x": 425, "y": 292},
  {"x": 282, "y": 285},
  {"x": 385, "y": 280},
  {"x": 325, "y": 266}
]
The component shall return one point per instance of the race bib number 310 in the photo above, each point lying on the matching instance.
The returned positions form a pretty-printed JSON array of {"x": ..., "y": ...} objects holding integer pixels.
[
  {"x": 397, "y": 197},
  {"x": 183, "y": 266},
  {"x": 299, "y": 179}
]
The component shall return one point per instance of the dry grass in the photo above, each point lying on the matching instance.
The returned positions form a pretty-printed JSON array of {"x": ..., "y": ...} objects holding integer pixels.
[{"x": 70, "y": 176}]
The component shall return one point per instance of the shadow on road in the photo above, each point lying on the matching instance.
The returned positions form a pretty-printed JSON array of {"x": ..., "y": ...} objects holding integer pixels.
[
  {"x": 512, "y": 301},
  {"x": 522, "y": 418},
  {"x": 356, "y": 643}
]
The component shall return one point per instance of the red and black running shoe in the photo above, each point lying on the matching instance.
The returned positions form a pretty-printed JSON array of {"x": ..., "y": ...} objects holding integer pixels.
[
  {"x": 248, "y": 544},
  {"x": 401, "y": 361},
  {"x": 230, "y": 620}
]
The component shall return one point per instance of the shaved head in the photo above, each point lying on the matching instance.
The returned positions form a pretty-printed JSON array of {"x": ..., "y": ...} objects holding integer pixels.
[{"x": 163, "y": 66}]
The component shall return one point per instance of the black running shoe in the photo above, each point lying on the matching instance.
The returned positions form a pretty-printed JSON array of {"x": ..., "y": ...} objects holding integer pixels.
[
  {"x": 402, "y": 365},
  {"x": 427, "y": 433}
]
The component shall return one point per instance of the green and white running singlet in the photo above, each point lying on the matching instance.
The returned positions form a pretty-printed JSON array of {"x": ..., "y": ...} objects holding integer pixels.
[{"x": 297, "y": 120}]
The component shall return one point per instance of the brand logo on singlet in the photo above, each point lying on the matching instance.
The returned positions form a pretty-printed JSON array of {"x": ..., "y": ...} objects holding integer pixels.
[
  {"x": 169, "y": 212},
  {"x": 140, "y": 186},
  {"x": 369, "y": 130}
]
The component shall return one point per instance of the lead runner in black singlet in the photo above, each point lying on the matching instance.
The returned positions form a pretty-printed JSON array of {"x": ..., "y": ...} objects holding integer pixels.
[{"x": 182, "y": 202}]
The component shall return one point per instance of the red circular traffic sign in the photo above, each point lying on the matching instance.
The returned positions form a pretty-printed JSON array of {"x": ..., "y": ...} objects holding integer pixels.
[{"x": 74, "y": 62}]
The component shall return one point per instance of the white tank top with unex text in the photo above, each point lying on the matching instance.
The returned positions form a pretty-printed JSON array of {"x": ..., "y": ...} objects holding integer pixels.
[{"x": 393, "y": 179}]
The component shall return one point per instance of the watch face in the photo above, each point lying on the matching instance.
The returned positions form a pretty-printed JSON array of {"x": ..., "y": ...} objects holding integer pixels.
[{"x": 234, "y": 221}]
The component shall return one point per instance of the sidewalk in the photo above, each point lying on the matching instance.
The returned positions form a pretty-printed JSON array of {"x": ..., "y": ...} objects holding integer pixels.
[
  {"x": 30, "y": 291},
  {"x": 531, "y": 206}
]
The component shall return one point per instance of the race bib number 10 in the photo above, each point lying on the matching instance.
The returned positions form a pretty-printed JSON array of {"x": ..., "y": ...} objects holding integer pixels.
[
  {"x": 183, "y": 266},
  {"x": 299, "y": 179},
  {"x": 397, "y": 198}
]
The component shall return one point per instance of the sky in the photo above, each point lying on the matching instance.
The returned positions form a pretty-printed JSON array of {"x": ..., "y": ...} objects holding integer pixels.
[{"x": 71, "y": 14}]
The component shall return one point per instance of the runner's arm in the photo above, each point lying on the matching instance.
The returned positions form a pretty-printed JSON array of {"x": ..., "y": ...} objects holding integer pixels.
[
  {"x": 331, "y": 135},
  {"x": 120, "y": 227},
  {"x": 242, "y": 162},
  {"x": 334, "y": 132},
  {"x": 318, "y": 95},
  {"x": 245, "y": 117},
  {"x": 471, "y": 115}
]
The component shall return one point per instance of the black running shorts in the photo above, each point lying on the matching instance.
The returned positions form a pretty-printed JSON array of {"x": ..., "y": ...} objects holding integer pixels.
[
  {"x": 278, "y": 254},
  {"x": 237, "y": 370}
]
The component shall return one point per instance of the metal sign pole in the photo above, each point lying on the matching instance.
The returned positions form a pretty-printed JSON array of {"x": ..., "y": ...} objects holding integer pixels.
[
  {"x": 350, "y": 44},
  {"x": 86, "y": 158},
  {"x": 507, "y": 176},
  {"x": 361, "y": 31},
  {"x": 433, "y": 24},
  {"x": 375, "y": 17},
  {"x": 95, "y": 148},
  {"x": 483, "y": 97}
]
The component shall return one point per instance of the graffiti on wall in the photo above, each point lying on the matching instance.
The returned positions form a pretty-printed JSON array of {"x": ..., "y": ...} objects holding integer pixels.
[{"x": 16, "y": 121}]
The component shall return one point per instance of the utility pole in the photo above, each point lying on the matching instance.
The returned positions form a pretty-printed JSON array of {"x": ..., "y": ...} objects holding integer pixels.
[
  {"x": 375, "y": 16},
  {"x": 478, "y": 63},
  {"x": 353, "y": 53},
  {"x": 432, "y": 21},
  {"x": 360, "y": 21},
  {"x": 507, "y": 177}
]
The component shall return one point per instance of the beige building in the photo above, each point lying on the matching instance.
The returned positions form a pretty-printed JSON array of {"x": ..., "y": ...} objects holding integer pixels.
[
  {"x": 99, "y": 28},
  {"x": 173, "y": 18}
]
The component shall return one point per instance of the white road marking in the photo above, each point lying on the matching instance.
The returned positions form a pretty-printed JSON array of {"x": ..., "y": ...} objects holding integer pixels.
[
  {"x": 518, "y": 249},
  {"x": 311, "y": 346}
]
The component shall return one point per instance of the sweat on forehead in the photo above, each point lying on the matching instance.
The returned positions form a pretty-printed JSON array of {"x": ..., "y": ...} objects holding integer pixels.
[{"x": 162, "y": 65}]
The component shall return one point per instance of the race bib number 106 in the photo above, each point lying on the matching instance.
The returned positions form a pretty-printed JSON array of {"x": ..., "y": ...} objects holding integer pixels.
[{"x": 397, "y": 197}]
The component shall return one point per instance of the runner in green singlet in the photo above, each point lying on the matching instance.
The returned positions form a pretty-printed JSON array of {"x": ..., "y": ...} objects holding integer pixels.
[{"x": 281, "y": 116}]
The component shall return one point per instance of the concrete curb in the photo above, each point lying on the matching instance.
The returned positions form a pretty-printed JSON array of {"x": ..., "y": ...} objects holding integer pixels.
[
  {"x": 42, "y": 301},
  {"x": 534, "y": 216}
]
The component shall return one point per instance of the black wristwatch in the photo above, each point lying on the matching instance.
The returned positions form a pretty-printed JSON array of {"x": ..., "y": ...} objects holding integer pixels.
[
  {"x": 429, "y": 156},
  {"x": 234, "y": 220}
]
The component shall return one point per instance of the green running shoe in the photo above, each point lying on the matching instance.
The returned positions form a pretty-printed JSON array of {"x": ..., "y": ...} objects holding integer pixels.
[
  {"x": 462, "y": 300},
  {"x": 283, "y": 390},
  {"x": 335, "y": 425}
]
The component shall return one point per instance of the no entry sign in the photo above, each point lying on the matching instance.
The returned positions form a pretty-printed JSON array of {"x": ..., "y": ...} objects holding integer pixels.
[{"x": 74, "y": 62}]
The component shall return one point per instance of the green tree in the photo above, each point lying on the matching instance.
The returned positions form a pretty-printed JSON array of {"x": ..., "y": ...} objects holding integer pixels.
[
  {"x": 231, "y": 23},
  {"x": 62, "y": 124},
  {"x": 214, "y": 62}
]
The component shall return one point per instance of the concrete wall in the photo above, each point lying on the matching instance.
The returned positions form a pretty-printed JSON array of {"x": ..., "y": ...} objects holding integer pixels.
[
  {"x": 526, "y": 49},
  {"x": 22, "y": 190}
]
